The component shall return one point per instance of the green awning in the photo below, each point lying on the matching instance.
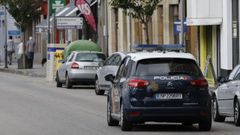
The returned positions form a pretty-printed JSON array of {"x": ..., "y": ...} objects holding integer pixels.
[{"x": 81, "y": 45}]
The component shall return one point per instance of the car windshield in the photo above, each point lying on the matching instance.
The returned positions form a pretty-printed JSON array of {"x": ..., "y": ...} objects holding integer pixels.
[
  {"x": 150, "y": 67},
  {"x": 90, "y": 57}
]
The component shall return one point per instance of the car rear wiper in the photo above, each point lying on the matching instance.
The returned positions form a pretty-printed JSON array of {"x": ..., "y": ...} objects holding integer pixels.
[{"x": 179, "y": 72}]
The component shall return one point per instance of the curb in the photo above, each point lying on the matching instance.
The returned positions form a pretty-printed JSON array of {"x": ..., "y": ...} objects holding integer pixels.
[{"x": 25, "y": 73}]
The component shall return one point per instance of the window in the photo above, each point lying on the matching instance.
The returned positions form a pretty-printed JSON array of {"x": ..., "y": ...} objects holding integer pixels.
[
  {"x": 71, "y": 57},
  {"x": 117, "y": 60},
  {"x": 167, "y": 67},
  {"x": 90, "y": 57},
  {"x": 121, "y": 69},
  {"x": 110, "y": 60},
  {"x": 234, "y": 73}
]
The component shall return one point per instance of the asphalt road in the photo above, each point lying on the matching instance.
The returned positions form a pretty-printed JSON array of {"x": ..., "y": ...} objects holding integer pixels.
[{"x": 32, "y": 106}]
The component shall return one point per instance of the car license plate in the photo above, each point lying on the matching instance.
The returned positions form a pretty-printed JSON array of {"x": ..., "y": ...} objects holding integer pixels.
[{"x": 162, "y": 96}]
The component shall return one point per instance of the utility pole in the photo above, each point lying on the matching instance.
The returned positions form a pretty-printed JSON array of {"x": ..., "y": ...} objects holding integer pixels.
[
  {"x": 182, "y": 42},
  {"x": 6, "y": 33}
]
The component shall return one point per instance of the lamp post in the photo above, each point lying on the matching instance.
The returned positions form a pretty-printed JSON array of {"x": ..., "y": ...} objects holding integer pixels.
[{"x": 5, "y": 46}]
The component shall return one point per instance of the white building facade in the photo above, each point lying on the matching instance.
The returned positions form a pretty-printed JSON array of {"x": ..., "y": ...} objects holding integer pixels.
[{"x": 218, "y": 24}]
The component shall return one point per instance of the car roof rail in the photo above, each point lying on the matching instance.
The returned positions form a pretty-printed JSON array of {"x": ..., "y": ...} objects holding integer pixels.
[{"x": 158, "y": 47}]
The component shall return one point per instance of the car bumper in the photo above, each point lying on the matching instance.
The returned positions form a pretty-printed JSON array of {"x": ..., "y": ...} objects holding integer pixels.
[
  {"x": 168, "y": 114},
  {"x": 82, "y": 76}
]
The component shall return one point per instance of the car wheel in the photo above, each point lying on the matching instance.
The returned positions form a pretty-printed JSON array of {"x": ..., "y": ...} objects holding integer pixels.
[
  {"x": 206, "y": 124},
  {"x": 110, "y": 120},
  {"x": 68, "y": 82},
  {"x": 97, "y": 89},
  {"x": 59, "y": 84},
  {"x": 124, "y": 123},
  {"x": 215, "y": 112},
  {"x": 236, "y": 113}
]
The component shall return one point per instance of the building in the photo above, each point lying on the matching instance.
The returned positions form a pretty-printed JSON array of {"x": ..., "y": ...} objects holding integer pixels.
[
  {"x": 12, "y": 30},
  {"x": 217, "y": 24},
  {"x": 118, "y": 32}
]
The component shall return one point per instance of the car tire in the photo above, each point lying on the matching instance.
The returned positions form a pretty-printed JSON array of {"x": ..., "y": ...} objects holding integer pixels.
[
  {"x": 124, "y": 123},
  {"x": 59, "y": 84},
  {"x": 215, "y": 112},
  {"x": 236, "y": 112},
  {"x": 68, "y": 82},
  {"x": 97, "y": 90},
  {"x": 206, "y": 124},
  {"x": 110, "y": 120}
]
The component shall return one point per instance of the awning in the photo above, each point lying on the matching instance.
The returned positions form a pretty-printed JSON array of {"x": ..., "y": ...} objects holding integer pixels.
[
  {"x": 66, "y": 11},
  {"x": 204, "y": 21}
]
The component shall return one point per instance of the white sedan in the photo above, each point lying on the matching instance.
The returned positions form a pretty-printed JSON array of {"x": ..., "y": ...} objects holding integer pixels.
[
  {"x": 79, "y": 68},
  {"x": 110, "y": 66},
  {"x": 226, "y": 98}
]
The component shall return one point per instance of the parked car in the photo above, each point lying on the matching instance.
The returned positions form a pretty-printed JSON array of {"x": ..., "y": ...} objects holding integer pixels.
[
  {"x": 79, "y": 67},
  {"x": 226, "y": 98},
  {"x": 109, "y": 66},
  {"x": 160, "y": 87}
]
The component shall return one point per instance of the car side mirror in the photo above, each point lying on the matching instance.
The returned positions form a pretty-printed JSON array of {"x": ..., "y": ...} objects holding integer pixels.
[
  {"x": 100, "y": 64},
  {"x": 110, "y": 78},
  {"x": 221, "y": 79},
  {"x": 62, "y": 61}
]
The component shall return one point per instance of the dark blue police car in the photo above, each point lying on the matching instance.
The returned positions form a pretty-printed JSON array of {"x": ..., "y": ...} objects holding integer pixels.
[{"x": 158, "y": 87}]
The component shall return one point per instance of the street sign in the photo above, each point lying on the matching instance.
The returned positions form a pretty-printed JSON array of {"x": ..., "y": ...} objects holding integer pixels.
[
  {"x": 69, "y": 22},
  {"x": 56, "y": 5},
  {"x": 14, "y": 32},
  {"x": 177, "y": 27}
]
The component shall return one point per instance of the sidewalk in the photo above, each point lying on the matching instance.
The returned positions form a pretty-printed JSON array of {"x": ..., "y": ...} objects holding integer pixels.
[{"x": 36, "y": 71}]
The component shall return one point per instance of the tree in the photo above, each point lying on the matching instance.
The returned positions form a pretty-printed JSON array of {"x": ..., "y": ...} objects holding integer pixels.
[
  {"x": 25, "y": 12},
  {"x": 139, "y": 9}
]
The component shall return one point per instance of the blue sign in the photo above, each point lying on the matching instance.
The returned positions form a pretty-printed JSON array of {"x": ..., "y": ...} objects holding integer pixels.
[
  {"x": 178, "y": 28},
  {"x": 1, "y": 13},
  {"x": 14, "y": 32}
]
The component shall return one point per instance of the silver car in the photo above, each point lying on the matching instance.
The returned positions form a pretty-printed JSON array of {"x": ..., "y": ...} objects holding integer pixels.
[
  {"x": 226, "y": 98},
  {"x": 110, "y": 66},
  {"x": 79, "y": 67}
]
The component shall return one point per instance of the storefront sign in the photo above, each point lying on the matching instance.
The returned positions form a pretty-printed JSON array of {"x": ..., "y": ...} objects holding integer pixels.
[{"x": 69, "y": 22}]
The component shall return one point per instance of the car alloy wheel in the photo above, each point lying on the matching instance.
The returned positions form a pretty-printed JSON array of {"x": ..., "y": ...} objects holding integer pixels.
[
  {"x": 97, "y": 89},
  {"x": 236, "y": 113},
  {"x": 125, "y": 125}
]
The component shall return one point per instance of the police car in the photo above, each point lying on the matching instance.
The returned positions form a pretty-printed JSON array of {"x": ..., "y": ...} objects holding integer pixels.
[{"x": 158, "y": 86}]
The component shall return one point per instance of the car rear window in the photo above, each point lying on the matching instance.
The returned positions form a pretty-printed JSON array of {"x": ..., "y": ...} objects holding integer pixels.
[
  {"x": 90, "y": 57},
  {"x": 150, "y": 67}
]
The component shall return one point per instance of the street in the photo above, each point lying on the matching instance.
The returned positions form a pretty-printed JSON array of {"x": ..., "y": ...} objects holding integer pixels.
[{"x": 32, "y": 106}]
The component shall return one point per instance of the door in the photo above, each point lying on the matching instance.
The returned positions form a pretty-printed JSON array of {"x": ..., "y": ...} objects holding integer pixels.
[
  {"x": 226, "y": 92},
  {"x": 120, "y": 79},
  {"x": 62, "y": 70}
]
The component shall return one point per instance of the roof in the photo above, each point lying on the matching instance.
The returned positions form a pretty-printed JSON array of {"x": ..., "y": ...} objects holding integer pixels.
[
  {"x": 78, "y": 51},
  {"x": 146, "y": 55}
]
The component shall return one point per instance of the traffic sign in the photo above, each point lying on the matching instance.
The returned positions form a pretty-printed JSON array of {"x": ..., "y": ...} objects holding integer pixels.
[
  {"x": 178, "y": 28},
  {"x": 14, "y": 32},
  {"x": 1, "y": 13}
]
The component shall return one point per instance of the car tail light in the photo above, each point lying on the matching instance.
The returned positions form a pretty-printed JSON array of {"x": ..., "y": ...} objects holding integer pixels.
[
  {"x": 199, "y": 83},
  {"x": 137, "y": 83},
  {"x": 74, "y": 66}
]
